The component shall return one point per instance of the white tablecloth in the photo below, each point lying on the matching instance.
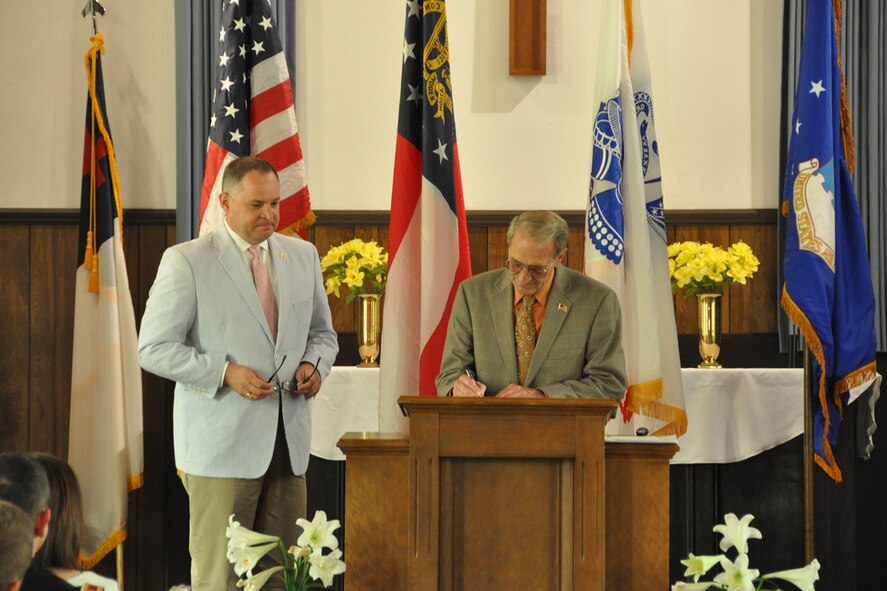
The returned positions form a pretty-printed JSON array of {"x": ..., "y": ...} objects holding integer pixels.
[
  {"x": 732, "y": 414},
  {"x": 348, "y": 401}
]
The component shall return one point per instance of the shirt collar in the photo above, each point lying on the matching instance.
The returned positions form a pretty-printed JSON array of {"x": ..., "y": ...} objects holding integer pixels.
[
  {"x": 541, "y": 295},
  {"x": 242, "y": 244}
]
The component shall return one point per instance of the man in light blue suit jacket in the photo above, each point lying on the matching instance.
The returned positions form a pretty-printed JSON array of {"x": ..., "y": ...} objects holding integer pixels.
[{"x": 241, "y": 442}]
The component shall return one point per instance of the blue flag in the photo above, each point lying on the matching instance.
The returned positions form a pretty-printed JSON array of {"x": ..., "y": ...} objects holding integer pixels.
[{"x": 828, "y": 290}]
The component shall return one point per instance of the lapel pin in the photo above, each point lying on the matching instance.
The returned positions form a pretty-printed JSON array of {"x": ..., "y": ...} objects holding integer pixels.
[
  {"x": 561, "y": 307},
  {"x": 282, "y": 256}
]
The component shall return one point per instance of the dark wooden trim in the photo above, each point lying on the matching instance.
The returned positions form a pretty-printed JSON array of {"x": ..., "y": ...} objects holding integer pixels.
[
  {"x": 72, "y": 216},
  {"x": 338, "y": 217}
]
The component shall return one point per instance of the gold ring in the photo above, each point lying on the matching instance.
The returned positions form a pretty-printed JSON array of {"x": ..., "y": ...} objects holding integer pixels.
[{"x": 249, "y": 394}]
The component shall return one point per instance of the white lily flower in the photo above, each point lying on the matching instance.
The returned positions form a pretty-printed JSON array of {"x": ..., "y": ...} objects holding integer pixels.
[
  {"x": 257, "y": 582},
  {"x": 245, "y": 558},
  {"x": 802, "y": 578},
  {"x": 681, "y": 586},
  {"x": 239, "y": 535},
  {"x": 318, "y": 533},
  {"x": 297, "y": 553},
  {"x": 737, "y": 576},
  {"x": 699, "y": 565},
  {"x": 736, "y": 532},
  {"x": 326, "y": 567}
]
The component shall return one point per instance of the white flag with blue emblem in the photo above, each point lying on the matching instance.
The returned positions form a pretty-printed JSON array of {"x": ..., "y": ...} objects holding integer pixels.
[{"x": 625, "y": 244}]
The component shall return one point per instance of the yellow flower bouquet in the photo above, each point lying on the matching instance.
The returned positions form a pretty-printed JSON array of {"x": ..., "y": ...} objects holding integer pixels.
[
  {"x": 703, "y": 268},
  {"x": 360, "y": 266}
]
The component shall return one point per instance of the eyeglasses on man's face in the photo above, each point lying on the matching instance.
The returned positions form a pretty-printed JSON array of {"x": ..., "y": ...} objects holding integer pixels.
[{"x": 535, "y": 271}]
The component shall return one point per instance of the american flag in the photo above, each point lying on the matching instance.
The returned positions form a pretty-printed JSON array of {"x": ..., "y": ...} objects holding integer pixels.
[
  {"x": 428, "y": 237},
  {"x": 105, "y": 446},
  {"x": 253, "y": 114}
]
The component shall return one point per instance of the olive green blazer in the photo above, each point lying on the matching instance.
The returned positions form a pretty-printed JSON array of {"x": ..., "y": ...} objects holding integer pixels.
[{"x": 578, "y": 351}]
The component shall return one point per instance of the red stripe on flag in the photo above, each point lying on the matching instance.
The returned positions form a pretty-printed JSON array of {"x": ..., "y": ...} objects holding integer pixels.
[
  {"x": 283, "y": 153},
  {"x": 432, "y": 353},
  {"x": 270, "y": 102},
  {"x": 405, "y": 193},
  {"x": 101, "y": 151},
  {"x": 215, "y": 158},
  {"x": 294, "y": 208}
]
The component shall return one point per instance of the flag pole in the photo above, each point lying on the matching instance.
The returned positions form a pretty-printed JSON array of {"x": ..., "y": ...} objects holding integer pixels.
[
  {"x": 120, "y": 566},
  {"x": 809, "y": 531},
  {"x": 90, "y": 9}
]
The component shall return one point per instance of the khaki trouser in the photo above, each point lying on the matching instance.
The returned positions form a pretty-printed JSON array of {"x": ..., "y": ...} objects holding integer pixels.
[{"x": 269, "y": 504}]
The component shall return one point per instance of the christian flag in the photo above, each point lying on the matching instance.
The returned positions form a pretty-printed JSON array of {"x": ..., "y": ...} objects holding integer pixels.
[
  {"x": 105, "y": 437},
  {"x": 828, "y": 290},
  {"x": 625, "y": 243},
  {"x": 253, "y": 114},
  {"x": 428, "y": 237}
]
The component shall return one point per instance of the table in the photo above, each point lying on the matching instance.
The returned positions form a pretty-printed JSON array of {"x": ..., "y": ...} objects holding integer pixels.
[
  {"x": 732, "y": 414},
  {"x": 348, "y": 400}
]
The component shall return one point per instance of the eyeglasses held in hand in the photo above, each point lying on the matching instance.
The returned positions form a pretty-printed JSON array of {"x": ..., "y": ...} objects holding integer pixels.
[
  {"x": 311, "y": 375},
  {"x": 535, "y": 271},
  {"x": 277, "y": 370}
]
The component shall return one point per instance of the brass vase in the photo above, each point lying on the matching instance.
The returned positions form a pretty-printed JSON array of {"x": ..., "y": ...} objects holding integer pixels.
[
  {"x": 369, "y": 328},
  {"x": 709, "y": 329}
]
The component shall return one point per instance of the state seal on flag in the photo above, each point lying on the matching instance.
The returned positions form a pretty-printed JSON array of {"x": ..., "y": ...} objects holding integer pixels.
[{"x": 814, "y": 206}]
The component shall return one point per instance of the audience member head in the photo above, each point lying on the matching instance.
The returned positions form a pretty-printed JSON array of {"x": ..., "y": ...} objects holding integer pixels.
[
  {"x": 62, "y": 545},
  {"x": 24, "y": 484},
  {"x": 16, "y": 543}
]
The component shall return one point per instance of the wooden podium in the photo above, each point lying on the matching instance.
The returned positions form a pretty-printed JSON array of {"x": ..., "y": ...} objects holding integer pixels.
[{"x": 497, "y": 494}]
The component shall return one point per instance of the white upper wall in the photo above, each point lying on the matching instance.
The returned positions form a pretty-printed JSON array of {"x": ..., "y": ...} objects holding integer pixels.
[
  {"x": 44, "y": 101},
  {"x": 524, "y": 142}
]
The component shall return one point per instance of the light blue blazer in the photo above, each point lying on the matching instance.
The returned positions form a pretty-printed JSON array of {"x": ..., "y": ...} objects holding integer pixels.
[{"x": 202, "y": 311}]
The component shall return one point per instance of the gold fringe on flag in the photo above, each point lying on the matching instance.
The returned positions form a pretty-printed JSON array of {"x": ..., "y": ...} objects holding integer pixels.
[
  {"x": 646, "y": 399},
  {"x": 300, "y": 225},
  {"x": 846, "y": 119},
  {"x": 829, "y": 464},
  {"x": 629, "y": 26},
  {"x": 91, "y": 258}
]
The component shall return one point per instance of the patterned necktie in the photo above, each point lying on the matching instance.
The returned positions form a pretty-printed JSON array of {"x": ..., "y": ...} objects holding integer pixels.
[
  {"x": 264, "y": 289},
  {"x": 525, "y": 337}
]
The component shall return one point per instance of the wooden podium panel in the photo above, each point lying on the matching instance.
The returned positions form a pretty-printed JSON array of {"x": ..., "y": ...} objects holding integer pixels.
[
  {"x": 474, "y": 543},
  {"x": 535, "y": 513}
]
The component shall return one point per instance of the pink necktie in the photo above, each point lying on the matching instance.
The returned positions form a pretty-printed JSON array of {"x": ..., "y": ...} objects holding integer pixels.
[{"x": 264, "y": 289}]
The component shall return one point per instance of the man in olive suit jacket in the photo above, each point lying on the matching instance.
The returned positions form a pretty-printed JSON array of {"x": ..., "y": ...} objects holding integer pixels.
[{"x": 535, "y": 328}]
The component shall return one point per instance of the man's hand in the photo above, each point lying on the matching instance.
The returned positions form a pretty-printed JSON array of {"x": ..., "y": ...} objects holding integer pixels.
[
  {"x": 468, "y": 387},
  {"x": 518, "y": 391},
  {"x": 307, "y": 380},
  {"x": 247, "y": 382}
]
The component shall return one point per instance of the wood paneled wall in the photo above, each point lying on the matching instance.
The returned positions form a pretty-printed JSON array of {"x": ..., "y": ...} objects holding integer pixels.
[
  {"x": 36, "y": 315},
  {"x": 748, "y": 309}
]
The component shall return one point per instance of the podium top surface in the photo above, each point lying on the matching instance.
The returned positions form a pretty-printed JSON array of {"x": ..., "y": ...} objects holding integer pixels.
[{"x": 491, "y": 405}]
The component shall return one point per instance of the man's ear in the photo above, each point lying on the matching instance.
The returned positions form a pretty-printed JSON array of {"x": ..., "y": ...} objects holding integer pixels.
[
  {"x": 225, "y": 201},
  {"x": 41, "y": 524}
]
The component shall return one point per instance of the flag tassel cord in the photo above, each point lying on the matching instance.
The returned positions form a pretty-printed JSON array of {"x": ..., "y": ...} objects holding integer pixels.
[{"x": 91, "y": 254}]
